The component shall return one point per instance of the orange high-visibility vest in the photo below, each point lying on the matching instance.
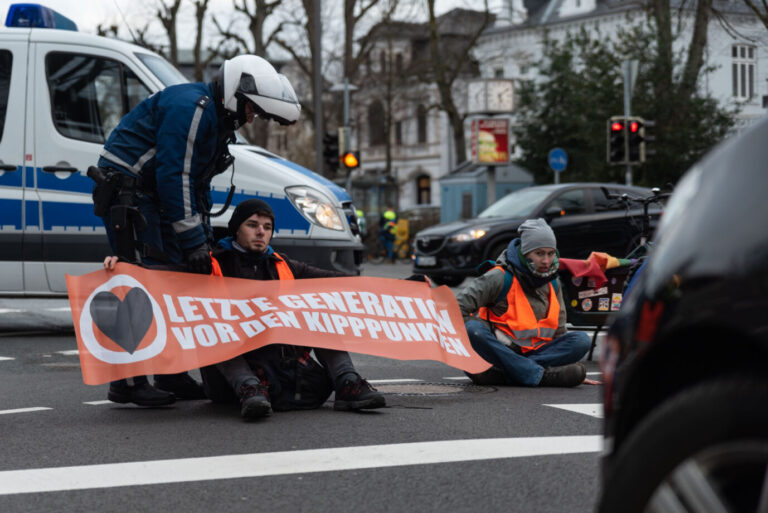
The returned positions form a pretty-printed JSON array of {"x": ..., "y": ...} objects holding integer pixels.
[
  {"x": 283, "y": 270},
  {"x": 519, "y": 321}
]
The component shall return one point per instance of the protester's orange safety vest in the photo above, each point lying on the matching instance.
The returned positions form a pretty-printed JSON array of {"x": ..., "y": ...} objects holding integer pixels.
[
  {"x": 519, "y": 321},
  {"x": 283, "y": 270}
]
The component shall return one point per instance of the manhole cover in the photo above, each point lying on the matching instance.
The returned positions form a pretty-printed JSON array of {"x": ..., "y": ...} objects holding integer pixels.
[{"x": 433, "y": 389}]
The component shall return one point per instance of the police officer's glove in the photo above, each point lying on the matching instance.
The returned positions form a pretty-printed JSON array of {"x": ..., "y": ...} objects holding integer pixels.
[{"x": 199, "y": 260}]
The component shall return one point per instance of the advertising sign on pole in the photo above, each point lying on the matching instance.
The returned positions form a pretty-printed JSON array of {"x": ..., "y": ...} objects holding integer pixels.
[{"x": 490, "y": 141}]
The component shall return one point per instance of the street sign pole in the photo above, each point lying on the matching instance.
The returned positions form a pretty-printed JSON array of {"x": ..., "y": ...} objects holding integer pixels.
[{"x": 558, "y": 161}]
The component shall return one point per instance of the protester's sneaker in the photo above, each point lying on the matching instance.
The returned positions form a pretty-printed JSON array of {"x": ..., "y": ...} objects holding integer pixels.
[
  {"x": 254, "y": 401},
  {"x": 491, "y": 377},
  {"x": 184, "y": 386},
  {"x": 357, "y": 394},
  {"x": 142, "y": 394},
  {"x": 565, "y": 376}
]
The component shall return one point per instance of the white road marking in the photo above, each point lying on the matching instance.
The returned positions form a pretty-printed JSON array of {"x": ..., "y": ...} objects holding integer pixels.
[
  {"x": 458, "y": 378},
  {"x": 593, "y": 409},
  {"x": 25, "y": 410},
  {"x": 287, "y": 462},
  {"x": 594, "y": 373},
  {"x": 69, "y": 352},
  {"x": 61, "y": 309},
  {"x": 6, "y": 358},
  {"x": 98, "y": 403},
  {"x": 9, "y": 310},
  {"x": 404, "y": 380}
]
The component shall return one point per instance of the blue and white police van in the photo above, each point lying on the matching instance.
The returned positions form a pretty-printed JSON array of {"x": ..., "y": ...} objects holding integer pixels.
[{"x": 61, "y": 94}]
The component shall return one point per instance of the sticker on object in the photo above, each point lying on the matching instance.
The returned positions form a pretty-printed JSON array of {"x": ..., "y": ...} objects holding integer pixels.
[
  {"x": 615, "y": 302},
  {"x": 604, "y": 304},
  {"x": 586, "y": 305}
]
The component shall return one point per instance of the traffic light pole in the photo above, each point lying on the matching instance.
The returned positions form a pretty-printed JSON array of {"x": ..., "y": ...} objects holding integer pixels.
[{"x": 627, "y": 69}]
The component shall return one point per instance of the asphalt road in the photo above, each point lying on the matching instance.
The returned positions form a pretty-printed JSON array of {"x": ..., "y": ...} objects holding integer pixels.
[{"x": 440, "y": 445}]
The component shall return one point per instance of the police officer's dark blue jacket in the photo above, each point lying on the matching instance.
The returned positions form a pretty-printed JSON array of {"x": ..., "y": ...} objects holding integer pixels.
[{"x": 170, "y": 140}]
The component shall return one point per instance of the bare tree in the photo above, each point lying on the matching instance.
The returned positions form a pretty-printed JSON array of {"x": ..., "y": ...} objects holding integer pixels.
[
  {"x": 447, "y": 61},
  {"x": 168, "y": 16},
  {"x": 760, "y": 10}
]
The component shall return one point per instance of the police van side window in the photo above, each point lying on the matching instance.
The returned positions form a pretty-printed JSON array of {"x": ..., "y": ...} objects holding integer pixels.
[
  {"x": 90, "y": 94},
  {"x": 6, "y": 62}
]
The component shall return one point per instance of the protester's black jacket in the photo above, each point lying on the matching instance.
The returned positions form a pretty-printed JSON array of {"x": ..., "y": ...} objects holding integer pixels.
[{"x": 238, "y": 264}]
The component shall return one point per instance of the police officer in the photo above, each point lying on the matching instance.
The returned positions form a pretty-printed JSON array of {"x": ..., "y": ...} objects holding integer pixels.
[{"x": 155, "y": 173}]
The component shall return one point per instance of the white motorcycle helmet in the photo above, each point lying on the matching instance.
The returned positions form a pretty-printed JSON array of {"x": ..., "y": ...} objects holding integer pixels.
[{"x": 251, "y": 78}]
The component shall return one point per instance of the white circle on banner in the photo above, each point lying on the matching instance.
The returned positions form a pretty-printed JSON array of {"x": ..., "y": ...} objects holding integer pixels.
[{"x": 121, "y": 357}]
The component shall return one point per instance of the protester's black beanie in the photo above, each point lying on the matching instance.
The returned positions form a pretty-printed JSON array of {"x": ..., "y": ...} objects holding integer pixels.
[{"x": 246, "y": 209}]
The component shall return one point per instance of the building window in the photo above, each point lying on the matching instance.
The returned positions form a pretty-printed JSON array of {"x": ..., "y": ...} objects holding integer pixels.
[
  {"x": 423, "y": 190},
  {"x": 376, "y": 123},
  {"x": 498, "y": 73},
  {"x": 743, "y": 71},
  {"x": 421, "y": 122},
  {"x": 398, "y": 132}
]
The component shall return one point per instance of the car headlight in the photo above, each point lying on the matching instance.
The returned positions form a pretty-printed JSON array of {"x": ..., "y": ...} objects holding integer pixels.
[
  {"x": 468, "y": 235},
  {"x": 315, "y": 206}
]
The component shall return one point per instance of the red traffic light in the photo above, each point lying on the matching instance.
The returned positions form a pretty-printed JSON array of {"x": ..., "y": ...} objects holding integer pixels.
[
  {"x": 617, "y": 126},
  {"x": 633, "y": 126}
]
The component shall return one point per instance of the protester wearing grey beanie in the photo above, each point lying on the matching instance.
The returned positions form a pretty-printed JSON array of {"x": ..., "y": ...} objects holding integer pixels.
[{"x": 535, "y": 234}]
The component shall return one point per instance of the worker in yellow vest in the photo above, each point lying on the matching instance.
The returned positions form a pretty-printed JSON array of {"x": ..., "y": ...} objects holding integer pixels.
[
  {"x": 387, "y": 229},
  {"x": 515, "y": 316}
]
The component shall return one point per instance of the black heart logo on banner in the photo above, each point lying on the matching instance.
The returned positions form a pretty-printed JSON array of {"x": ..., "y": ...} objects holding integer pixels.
[{"x": 125, "y": 322}]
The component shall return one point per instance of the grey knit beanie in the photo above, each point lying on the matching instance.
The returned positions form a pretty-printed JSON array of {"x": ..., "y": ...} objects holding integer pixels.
[{"x": 535, "y": 234}]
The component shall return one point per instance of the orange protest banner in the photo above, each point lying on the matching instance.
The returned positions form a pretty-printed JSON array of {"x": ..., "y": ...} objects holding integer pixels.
[{"x": 134, "y": 321}]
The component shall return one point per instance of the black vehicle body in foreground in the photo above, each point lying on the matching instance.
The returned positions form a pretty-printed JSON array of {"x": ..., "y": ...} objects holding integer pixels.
[
  {"x": 582, "y": 217},
  {"x": 685, "y": 362}
]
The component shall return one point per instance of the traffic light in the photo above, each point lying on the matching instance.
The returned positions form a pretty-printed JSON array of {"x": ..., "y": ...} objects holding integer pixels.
[
  {"x": 351, "y": 159},
  {"x": 636, "y": 131},
  {"x": 331, "y": 150},
  {"x": 615, "y": 144}
]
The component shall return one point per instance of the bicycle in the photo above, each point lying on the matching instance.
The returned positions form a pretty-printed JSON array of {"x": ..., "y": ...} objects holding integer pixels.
[{"x": 639, "y": 253}]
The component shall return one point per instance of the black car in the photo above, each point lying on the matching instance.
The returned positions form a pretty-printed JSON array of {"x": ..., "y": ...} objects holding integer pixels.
[
  {"x": 685, "y": 362},
  {"x": 586, "y": 217}
]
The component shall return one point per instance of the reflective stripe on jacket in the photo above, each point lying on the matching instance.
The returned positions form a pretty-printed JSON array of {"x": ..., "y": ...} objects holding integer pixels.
[
  {"x": 519, "y": 321},
  {"x": 283, "y": 271}
]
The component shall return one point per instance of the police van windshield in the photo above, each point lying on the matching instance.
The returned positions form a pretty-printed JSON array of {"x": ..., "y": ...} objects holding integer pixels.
[{"x": 162, "y": 69}]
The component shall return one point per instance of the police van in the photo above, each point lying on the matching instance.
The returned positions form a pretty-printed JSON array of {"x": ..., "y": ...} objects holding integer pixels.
[{"x": 61, "y": 94}]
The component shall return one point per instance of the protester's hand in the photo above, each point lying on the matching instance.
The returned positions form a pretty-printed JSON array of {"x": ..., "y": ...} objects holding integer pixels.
[
  {"x": 199, "y": 260},
  {"x": 421, "y": 277},
  {"x": 109, "y": 263},
  {"x": 592, "y": 382}
]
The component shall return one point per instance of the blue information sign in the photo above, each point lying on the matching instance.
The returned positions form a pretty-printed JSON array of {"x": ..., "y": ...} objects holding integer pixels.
[{"x": 558, "y": 159}]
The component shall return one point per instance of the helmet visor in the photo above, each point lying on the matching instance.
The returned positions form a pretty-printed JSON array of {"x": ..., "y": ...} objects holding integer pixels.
[{"x": 278, "y": 88}]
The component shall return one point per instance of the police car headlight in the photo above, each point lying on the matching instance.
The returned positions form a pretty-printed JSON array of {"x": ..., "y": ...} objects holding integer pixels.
[
  {"x": 315, "y": 206},
  {"x": 468, "y": 235}
]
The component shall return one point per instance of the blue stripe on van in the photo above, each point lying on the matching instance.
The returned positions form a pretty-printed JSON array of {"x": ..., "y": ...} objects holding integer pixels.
[
  {"x": 10, "y": 213},
  {"x": 11, "y": 178},
  {"x": 62, "y": 214},
  {"x": 32, "y": 213},
  {"x": 75, "y": 182},
  {"x": 340, "y": 192}
]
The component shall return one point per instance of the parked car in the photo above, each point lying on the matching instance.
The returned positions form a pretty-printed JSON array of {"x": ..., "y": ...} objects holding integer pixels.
[
  {"x": 583, "y": 217},
  {"x": 684, "y": 363}
]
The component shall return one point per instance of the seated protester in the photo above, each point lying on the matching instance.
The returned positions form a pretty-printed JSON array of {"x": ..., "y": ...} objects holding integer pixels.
[
  {"x": 515, "y": 316},
  {"x": 246, "y": 253}
]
